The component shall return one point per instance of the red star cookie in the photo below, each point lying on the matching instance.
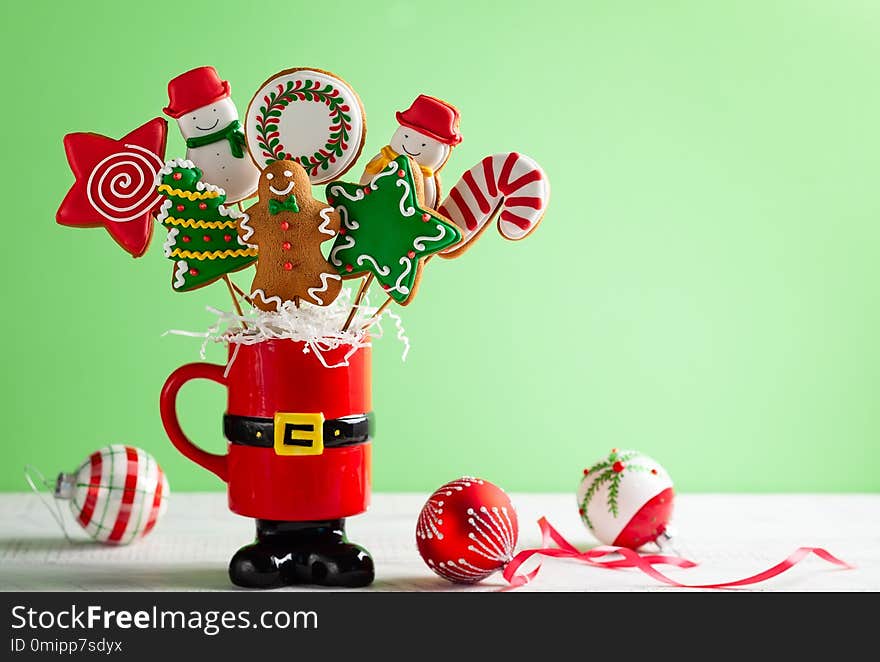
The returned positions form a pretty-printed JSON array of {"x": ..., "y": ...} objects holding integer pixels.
[{"x": 116, "y": 183}]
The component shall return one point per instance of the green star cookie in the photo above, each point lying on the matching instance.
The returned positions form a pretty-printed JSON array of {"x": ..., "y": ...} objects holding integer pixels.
[{"x": 385, "y": 231}]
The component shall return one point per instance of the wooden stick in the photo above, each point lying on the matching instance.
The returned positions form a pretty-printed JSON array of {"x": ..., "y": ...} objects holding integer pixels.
[
  {"x": 236, "y": 288},
  {"x": 377, "y": 314},
  {"x": 357, "y": 300},
  {"x": 240, "y": 291},
  {"x": 234, "y": 298}
]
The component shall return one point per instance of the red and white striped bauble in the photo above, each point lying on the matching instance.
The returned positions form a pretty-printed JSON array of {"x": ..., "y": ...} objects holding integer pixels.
[
  {"x": 467, "y": 530},
  {"x": 117, "y": 494},
  {"x": 510, "y": 185}
]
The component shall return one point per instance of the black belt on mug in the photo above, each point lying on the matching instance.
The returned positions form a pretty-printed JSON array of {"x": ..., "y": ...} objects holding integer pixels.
[{"x": 297, "y": 433}]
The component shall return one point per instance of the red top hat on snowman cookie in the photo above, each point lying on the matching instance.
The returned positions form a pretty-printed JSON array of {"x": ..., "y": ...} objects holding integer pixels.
[
  {"x": 195, "y": 89},
  {"x": 432, "y": 117}
]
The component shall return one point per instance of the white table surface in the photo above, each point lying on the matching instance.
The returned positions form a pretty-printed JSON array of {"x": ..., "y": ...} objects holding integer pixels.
[{"x": 731, "y": 536}]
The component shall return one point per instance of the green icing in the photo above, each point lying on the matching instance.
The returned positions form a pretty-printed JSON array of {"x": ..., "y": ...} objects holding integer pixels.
[
  {"x": 276, "y": 206},
  {"x": 231, "y": 133},
  {"x": 189, "y": 177},
  {"x": 198, "y": 237},
  {"x": 385, "y": 231}
]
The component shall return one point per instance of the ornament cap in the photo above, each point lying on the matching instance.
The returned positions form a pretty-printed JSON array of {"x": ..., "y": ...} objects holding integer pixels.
[
  {"x": 65, "y": 485},
  {"x": 666, "y": 541}
]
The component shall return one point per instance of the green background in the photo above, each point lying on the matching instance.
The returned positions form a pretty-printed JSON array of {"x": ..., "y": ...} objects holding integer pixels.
[{"x": 704, "y": 286}]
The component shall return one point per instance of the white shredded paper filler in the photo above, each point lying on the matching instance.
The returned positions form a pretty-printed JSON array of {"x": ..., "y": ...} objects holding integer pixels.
[{"x": 319, "y": 327}]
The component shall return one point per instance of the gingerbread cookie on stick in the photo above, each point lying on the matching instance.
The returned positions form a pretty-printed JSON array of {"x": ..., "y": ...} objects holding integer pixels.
[
  {"x": 309, "y": 116},
  {"x": 387, "y": 229},
  {"x": 428, "y": 131},
  {"x": 115, "y": 183},
  {"x": 288, "y": 227},
  {"x": 208, "y": 119},
  {"x": 202, "y": 236},
  {"x": 509, "y": 186}
]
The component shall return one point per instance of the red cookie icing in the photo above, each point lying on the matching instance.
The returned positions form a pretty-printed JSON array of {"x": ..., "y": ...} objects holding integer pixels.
[{"x": 115, "y": 183}]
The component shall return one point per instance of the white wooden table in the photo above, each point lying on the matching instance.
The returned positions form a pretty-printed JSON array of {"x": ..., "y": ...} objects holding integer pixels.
[{"x": 731, "y": 536}]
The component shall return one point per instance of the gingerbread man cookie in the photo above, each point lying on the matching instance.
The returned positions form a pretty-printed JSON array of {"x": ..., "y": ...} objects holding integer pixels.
[{"x": 288, "y": 226}]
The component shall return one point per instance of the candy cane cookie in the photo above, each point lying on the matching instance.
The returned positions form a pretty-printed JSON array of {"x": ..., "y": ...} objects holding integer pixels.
[{"x": 510, "y": 183}]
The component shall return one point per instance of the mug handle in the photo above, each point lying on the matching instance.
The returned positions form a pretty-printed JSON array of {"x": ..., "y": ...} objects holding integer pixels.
[{"x": 168, "y": 408}]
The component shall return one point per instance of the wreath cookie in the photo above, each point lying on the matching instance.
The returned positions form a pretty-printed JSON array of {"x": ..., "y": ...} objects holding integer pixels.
[{"x": 308, "y": 116}]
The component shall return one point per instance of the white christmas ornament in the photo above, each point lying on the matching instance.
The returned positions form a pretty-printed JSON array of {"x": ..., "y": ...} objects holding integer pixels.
[{"x": 626, "y": 499}]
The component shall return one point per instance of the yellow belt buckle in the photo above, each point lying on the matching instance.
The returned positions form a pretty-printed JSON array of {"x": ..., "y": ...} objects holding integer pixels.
[{"x": 299, "y": 434}]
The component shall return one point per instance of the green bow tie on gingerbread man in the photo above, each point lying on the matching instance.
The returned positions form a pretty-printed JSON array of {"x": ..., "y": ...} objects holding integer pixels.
[
  {"x": 386, "y": 231},
  {"x": 289, "y": 204}
]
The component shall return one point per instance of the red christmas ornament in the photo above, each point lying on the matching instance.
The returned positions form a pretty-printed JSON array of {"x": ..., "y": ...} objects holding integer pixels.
[{"x": 467, "y": 530}]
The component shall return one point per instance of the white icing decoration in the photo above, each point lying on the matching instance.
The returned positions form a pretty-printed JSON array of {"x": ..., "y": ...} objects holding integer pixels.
[
  {"x": 338, "y": 190},
  {"x": 284, "y": 191},
  {"x": 231, "y": 212},
  {"x": 244, "y": 224},
  {"x": 349, "y": 223},
  {"x": 169, "y": 166},
  {"x": 325, "y": 214},
  {"x": 390, "y": 169},
  {"x": 418, "y": 241},
  {"x": 168, "y": 246},
  {"x": 341, "y": 247},
  {"x": 408, "y": 211},
  {"x": 270, "y": 176},
  {"x": 287, "y": 173},
  {"x": 163, "y": 210},
  {"x": 273, "y": 299},
  {"x": 303, "y": 126},
  {"x": 205, "y": 186},
  {"x": 382, "y": 271},
  {"x": 122, "y": 187},
  {"x": 182, "y": 268},
  {"x": 398, "y": 286},
  {"x": 325, "y": 282}
]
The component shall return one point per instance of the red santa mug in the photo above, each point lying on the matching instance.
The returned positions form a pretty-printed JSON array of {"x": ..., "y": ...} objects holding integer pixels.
[{"x": 299, "y": 433}]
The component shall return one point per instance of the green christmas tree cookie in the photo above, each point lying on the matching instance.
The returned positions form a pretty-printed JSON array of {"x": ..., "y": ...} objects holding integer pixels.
[
  {"x": 386, "y": 231},
  {"x": 202, "y": 232}
]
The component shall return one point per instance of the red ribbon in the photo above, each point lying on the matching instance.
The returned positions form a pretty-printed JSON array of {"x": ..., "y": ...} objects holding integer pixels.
[{"x": 645, "y": 563}]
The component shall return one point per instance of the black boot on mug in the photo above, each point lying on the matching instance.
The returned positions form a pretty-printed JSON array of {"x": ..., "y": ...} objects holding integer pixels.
[{"x": 287, "y": 553}]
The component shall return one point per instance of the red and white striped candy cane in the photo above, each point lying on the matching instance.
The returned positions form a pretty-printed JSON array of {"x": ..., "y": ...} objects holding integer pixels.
[{"x": 509, "y": 182}]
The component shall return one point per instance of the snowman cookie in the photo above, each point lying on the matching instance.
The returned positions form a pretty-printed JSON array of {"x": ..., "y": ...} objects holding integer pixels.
[
  {"x": 208, "y": 121},
  {"x": 428, "y": 131},
  {"x": 288, "y": 226}
]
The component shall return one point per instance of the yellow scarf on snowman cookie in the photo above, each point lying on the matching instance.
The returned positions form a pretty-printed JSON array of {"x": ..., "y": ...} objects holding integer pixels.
[{"x": 386, "y": 156}]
